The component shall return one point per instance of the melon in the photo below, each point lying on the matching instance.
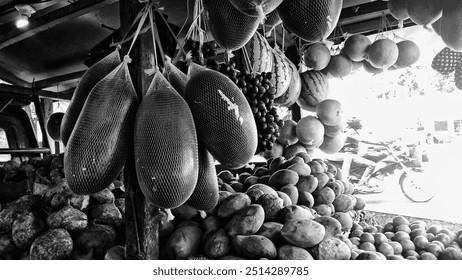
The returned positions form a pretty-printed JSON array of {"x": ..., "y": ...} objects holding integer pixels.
[
  {"x": 334, "y": 130},
  {"x": 281, "y": 73},
  {"x": 295, "y": 86},
  {"x": 309, "y": 130},
  {"x": 425, "y": 12},
  {"x": 223, "y": 118},
  {"x": 451, "y": 24},
  {"x": 256, "y": 8},
  {"x": 230, "y": 28},
  {"x": 272, "y": 19},
  {"x": 398, "y": 9},
  {"x": 339, "y": 66},
  {"x": 329, "y": 112},
  {"x": 54, "y": 125},
  {"x": 371, "y": 69},
  {"x": 311, "y": 20},
  {"x": 355, "y": 47},
  {"x": 383, "y": 53},
  {"x": 315, "y": 88},
  {"x": 409, "y": 53},
  {"x": 317, "y": 56},
  {"x": 259, "y": 52}
]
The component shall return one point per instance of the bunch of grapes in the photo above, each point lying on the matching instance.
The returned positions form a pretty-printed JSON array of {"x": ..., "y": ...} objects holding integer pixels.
[{"x": 260, "y": 94}]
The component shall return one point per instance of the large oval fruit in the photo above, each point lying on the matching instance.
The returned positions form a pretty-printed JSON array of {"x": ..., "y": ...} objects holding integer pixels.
[
  {"x": 311, "y": 20},
  {"x": 409, "y": 53},
  {"x": 259, "y": 52},
  {"x": 315, "y": 88},
  {"x": 371, "y": 69},
  {"x": 281, "y": 73},
  {"x": 54, "y": 125},
  {"x": 102, "y": 137},
  {"x": 329, "y": 112},
  {"x": 310, "y": 130},
  {"x": 304, "y": 233},
  {"x": 295, "y": 86},
  {"x": 223, "y": 118},
  {"x": 230, "y": 28},
  {"x": 383, "y": 53},
  {"x": 355, "y": 47},
  {"x": 398, "y": 9},
  {"x": 317, "y": 56},
  {"x": 425, "y": 12},
  {"x": 451, "y": 24},
  {"x": 339, "y": 66},
  {"x": 166, "y": 147}
]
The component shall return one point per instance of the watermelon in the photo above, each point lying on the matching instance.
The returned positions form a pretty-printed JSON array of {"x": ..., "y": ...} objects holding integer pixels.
[
  {"x": 230, "y": 28},
  {"x": 451, "y": 24},
  {"x": 315, "y": 88},
  {"x": 54, "y": 125},
  {"x": 260, "y": 55},
  {"x": 281, "y": 73},
  {"x": 311, "y": 20},
  {"x": 166, "y": 147},
  {"x": 295, "y": 86},
  {"x": 223, "y": 118},
  {"x": 102, "y": 138}
]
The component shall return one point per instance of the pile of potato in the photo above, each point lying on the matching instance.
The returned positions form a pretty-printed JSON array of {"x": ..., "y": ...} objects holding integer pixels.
[
  {"x": 297, "y": 208},
  {"x": 54, "y": 223}
]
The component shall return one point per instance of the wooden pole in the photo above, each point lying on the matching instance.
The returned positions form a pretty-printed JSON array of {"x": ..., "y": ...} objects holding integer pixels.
[{"x": 142, "y": 218}]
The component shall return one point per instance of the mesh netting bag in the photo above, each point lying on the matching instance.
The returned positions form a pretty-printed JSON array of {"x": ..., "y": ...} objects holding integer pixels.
[
  {"x": 177, "y": 79},
  {"x": 90, "y": 78},
  {"x": 103, "y": 135},
  {"x": 205, "y": 195},
  {"x": 230, "y": 28},
  {"x": 166, "y": 148}
]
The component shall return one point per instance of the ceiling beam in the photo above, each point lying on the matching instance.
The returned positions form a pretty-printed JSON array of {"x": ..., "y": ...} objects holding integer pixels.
[
  {"x": 8, "y": 77},
  {"x": 53, "y": 81},
  {"x": 9, "y": 34},
  {"x": 23, "y": 93}
]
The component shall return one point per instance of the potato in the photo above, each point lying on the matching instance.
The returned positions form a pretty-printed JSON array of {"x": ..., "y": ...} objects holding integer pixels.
[
  {"x": 294, "y": 212},
  {"x": 185, "y": 212},
  {"x": 211, "y": 224},
  {"x": 7, "y": 245},
  {"x": 283, "y": 177},
  {"x": 24, "y": 205},
  {"x": 336, "y": 186},
  {"x": 246, "y": 221},
  {"x": 306, "y": 199},
  {"x": 360, "y": 203},
  {"x": 254, "y": 247},
  {"x": 324, "y": 196},
  {"x": 292, "y": 192},
  {"x": 323, "y": 179},
  {"x": 54, "y": 244},
  {"x": 226, "y": 187},
  {"x": 107, "y": 214},
  {"x": 96, "y": 237},
  {"x": 272, "y": 231},
  {"x": 102, "y": 197},
  {"x": 260, "y": 171},
  {"x": 323, "y": 210},
  {"x": 79, "y": 202},
  {"x": 290, "y": 252},
  {"x": 115, "y": 253},
  {"x": 344, "y": 203},
  {"x": 226, "y": 176},
  {"x": 303, "y": 233},
  {"x": 184, "y": 242},
  {"x": 25, "y": 229},
  {"x": 69, "y": 218},
  {"x": 256, "y": 190},
  {"x": 275, "y": 164},
  {"x": 221, "y": 196},
  {"x": 232, "y": 204},
  {"x": 251, "y": 180},
  {"x": 232, "y": 258},
  {"x": 331, "y": 225},
  {"x": 271, "y": 204},
  {"x": 292, "y": 161},
  {"x": 331, "y": 248},
  {"x": 238, "y": 187},
  {"x": 218, "y": 245},
  {"x": 307, "y": 183},
  {"x": 301, "y": 168},
  {"x": 285, "y": 198},
  {"x": 345, "y": 220},
  {"x": 243, "y": 176},
  {"x": 264, "y": 179},
  {"x": 316, "y": 166}
]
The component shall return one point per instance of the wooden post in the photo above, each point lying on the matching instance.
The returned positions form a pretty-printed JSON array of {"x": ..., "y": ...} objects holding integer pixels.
[{"x": 142, "y": 222}]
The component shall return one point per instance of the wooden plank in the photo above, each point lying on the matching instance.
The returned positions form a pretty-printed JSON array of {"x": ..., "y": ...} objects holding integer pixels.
[
  {"x": 8, "y": 77},
  {"x": 18, "y": 92},
  {"x": 53, "y": 81},
  {"x": 9, "y": 34}
]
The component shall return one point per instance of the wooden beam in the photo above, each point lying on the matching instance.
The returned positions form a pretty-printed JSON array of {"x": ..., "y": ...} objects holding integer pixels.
[
  {"x": 53, "y": 81},
  {"x": 8, "y": 77},
  {"x": 9, "y": 34},
  {"x": 20, "y": 93}
]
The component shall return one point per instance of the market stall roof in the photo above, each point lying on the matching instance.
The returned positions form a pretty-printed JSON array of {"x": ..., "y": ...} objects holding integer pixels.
[{"x": 47, "y": 57}]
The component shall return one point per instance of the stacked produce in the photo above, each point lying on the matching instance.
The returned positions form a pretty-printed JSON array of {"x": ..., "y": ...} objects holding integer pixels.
[{"x": 52, "y": 222}]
